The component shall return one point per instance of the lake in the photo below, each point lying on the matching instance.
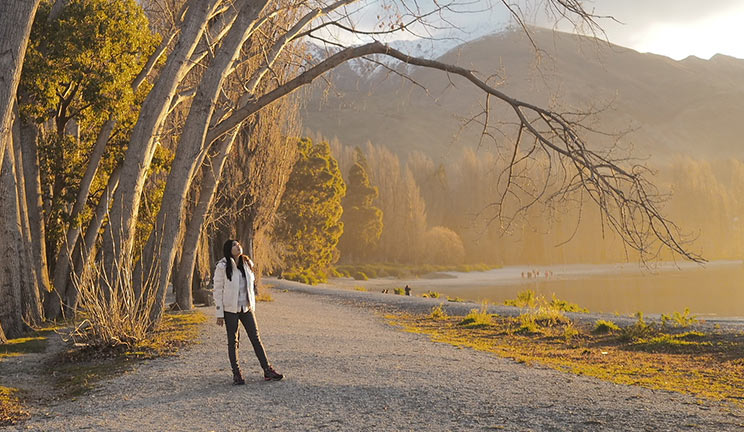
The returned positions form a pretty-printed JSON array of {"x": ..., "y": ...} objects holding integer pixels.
[{"x": 715, "y": 289}]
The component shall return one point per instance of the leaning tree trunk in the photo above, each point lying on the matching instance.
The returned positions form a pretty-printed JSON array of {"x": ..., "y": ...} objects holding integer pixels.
[
  {"x": 64, "y": 256},
  {"x": 183, "y": 280},
  {"x": 16, "y": 17},
  {"x": 169, "y": 225},
  {"x": 120, "y": 232}
]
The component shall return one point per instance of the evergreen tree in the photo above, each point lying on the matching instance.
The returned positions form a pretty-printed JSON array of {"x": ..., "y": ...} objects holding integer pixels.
[
  {"x": 362, "y": 220},
  {"x": 311, "y": 213}
]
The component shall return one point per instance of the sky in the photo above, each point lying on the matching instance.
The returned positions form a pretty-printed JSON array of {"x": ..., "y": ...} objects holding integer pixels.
[{"x": 674, "y": 28}]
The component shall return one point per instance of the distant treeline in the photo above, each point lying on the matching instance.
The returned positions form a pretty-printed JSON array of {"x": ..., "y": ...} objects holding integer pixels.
[{"x": 445, "y": 213}]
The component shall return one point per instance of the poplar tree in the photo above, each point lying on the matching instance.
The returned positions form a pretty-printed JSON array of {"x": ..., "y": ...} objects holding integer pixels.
[
  {"x": 362, "y": 220},
  {"x": 310, "y": 213}
]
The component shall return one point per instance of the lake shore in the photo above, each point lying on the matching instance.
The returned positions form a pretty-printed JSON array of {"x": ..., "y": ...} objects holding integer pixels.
[{"x": 713, "y": 291}]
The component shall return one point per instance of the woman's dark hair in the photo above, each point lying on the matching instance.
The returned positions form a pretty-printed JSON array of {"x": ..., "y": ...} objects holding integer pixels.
[{"x": 227, "y": 250}]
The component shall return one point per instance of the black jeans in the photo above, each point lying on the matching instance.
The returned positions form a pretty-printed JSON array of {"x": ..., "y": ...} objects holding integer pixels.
[{"x": 249, "y": 323}]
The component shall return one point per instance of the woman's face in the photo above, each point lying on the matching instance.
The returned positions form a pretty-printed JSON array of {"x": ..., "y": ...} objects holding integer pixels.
[{"x": 236, "y": 249}]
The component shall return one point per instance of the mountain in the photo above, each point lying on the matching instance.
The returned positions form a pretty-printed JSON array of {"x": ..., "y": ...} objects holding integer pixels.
[{"x": 690, "y": 107}]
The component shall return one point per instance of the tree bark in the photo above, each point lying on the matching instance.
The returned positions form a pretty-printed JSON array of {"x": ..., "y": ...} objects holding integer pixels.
[
  {"x": 31, "y": 173},
  {"x": 125, "y": 208},
  {"x": 190, "y": 153},
  {"x": 18, "y": 288},
  {"x": 29, "y": 265},
  {"x": 210, "y": 178},
  {"x": 16, "y": 17}
]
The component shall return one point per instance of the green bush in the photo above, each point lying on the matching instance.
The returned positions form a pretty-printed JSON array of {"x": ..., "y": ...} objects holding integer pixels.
[
  {"x": 639, "y": 330},
  {"x": 569, "y": 332},
  {"x": 438, "y": 313},
  {"x": 526, "y": 298},
  {"x": 454, "y": 299},
  {"x": 679, "y": 320},
  {"x": 432, "y": 294},
  {"x": 565, "y": 306},
  {"x": 399, "y": 291},
  {"x": 478, "y": 318},
  {"x": 603, "y": 326}
]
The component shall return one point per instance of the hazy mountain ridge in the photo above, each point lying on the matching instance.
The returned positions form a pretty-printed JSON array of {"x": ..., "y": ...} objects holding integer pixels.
[{"x": 690, "y": 107}]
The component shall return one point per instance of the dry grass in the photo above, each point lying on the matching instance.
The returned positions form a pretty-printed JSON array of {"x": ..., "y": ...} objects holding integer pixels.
[
  {"x": 706, "y": 365},
  {"x": 12, "y": 410},
  {"x": 111, "y": 310}
]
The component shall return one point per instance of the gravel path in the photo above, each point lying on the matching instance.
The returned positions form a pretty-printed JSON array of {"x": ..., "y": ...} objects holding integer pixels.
[{"x": 346, "y": 369}]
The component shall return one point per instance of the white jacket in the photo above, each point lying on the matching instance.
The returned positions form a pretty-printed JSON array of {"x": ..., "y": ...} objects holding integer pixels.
[{"x": 226, "y": 291}]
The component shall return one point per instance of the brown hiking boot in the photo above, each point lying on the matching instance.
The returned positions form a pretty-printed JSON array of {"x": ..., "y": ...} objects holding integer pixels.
[{"x": 271, "y": 375}]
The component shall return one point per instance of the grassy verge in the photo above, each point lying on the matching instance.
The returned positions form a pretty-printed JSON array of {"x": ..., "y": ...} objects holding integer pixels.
[{"x": 707, "y": 365}]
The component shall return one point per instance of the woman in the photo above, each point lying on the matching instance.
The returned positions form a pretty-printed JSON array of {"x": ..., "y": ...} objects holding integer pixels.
[{"x": 235, "y": 299}]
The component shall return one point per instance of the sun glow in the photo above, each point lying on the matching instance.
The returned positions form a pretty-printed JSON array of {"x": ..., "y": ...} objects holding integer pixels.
[{"x": 720, "y": 33}]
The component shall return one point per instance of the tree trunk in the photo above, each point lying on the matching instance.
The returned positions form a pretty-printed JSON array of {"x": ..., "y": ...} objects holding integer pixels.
[
  {"x": 125, "y": 208},
  {"x": 169, "y": 225},
  {"x": 11, "y": 312},
  {"x": 34, "y": 204},
  {"x": 210, "y": 178},
  {"x": 29, "y": 266},
  {"x": 16, "y": 17},
  {"x": 18, "y": 287}
]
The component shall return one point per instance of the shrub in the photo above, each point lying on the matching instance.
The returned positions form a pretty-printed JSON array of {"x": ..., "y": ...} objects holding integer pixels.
[
  {"x": 360, "y": 288},
  {"x": 438, "y": 313},
  {"x": 679, "y": 320},
  {"x": 565, "y": 306},
  {"x": 359, "y": 276},
  {"x": 432, "y": 294},
  {"x": 603, "y": 326},
  {"x": 534, "y": 320},
  {"x": 454, "y": 299},
  {"x": 525, "y": 298},
  {"x": 569, "y": 332},
  {"x": 399, "y": 291},
  {"x": 527, "y": 324},
  {"x": 370, "y": 271},
  {"x": 478, "y": 318},
  {"x": 639, "y": 330}
]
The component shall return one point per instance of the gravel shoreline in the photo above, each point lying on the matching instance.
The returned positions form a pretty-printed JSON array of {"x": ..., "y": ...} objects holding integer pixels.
[{"x": 346, "y": 369}]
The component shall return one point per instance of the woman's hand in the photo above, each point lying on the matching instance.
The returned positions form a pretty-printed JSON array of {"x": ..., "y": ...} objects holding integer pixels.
[{"x": 220, "y": 321}]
